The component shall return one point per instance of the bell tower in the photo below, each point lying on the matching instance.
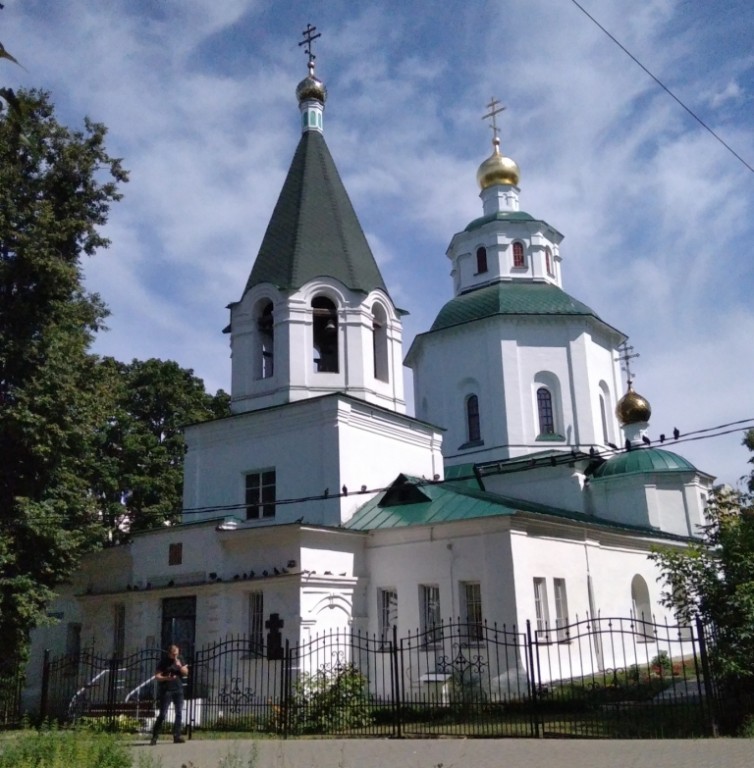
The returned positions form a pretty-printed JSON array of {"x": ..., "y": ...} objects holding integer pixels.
[{"x": 315, "y": 316}]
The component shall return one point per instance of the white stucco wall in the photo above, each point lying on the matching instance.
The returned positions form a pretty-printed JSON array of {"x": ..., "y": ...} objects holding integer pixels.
[
  {"x": 446, "y": 556},
  {"x": 672, "y": 502},
  {"x": 314, "y": 446},
  {"x": 503, "y": 360}
]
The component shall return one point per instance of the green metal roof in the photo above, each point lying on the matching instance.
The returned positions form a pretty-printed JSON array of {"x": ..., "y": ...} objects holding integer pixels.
[
  {"x": 500, "y": 216},
  {"x": 509, "y": 298},
  {"x": 462, "y": 474},
  {"x": 314, "y": 230},
  {"x": 643, "y": 460},
  {"x": 413, "y": 501}
]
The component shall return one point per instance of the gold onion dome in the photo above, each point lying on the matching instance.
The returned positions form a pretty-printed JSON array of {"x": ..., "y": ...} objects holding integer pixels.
[
  {"x": 311, "y": 87},
  {"x": 632, "y": 408},
  {"x": 497, "y": 169}
]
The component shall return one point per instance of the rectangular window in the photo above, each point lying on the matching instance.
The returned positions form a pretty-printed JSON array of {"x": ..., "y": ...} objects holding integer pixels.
[
  {"x": 119, "y": 629},
  {"x": 430, "y": 614},
  {"x": 595, "y": 624},
  {"x": 260, "y": 494},
  {"x": 256, "y": 623},
  {"x": 387, "y": 606},
  {"x": 471, "y": 605},
  {"x": 561, "y": 610},
  {"x": 541, "y": 609},
  {"x": 175, "y": 553}
]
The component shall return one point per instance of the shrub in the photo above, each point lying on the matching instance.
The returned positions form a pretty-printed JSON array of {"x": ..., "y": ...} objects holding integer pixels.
[
  {"x": 117, "y": 724},
  {"x": 662, "y": 663},
  {"x": 331, "y": 701},
  {"x": 236, "y": 723}
]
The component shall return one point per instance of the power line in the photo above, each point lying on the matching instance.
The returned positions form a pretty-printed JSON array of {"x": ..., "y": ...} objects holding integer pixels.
[
  {"x": 510, "y": 466},
  {"x": 665, "y": 88},
  {"x": 567, "y": 457}
]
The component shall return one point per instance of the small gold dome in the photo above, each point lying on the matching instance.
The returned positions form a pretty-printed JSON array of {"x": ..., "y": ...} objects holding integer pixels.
[
  {"x": 497, "y": 169},
  {"x": 311, "y": 87},
  {"x": 632, "y": 408}
]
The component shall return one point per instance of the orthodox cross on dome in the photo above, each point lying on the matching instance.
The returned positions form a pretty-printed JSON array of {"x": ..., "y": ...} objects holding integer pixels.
[
  {"x": 495, "y": 108},
  {"x": 309, "y": 38},
  {"x": 624, "y": 358}
]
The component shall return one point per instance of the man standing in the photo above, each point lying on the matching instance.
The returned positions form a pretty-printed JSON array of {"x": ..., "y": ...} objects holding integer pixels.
[{"x": 170, "y": 674}]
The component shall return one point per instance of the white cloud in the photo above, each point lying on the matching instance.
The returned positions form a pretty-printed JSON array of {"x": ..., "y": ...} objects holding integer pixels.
[{"x": 199, "y": 101}]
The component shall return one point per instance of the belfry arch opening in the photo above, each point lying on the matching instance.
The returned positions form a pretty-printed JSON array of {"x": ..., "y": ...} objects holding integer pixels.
[
  {"x": 325, "y": 335},
  {"x": 266, "y": 336},
  {"x": 379, "y": 342}
]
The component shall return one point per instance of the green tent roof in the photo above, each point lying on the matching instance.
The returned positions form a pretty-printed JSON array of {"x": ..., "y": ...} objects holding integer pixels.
[
  {"x": 509, "y": 298},
  {"x": 314, "y": 230},
  {"x": 643, "y": 460}
]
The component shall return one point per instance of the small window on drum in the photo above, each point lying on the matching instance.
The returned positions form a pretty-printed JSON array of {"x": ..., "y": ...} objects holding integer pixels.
[
  {"x": 473, "y": 429},
  {"x": 518, "y": 255},
  {"x": 481, "y": 260}
]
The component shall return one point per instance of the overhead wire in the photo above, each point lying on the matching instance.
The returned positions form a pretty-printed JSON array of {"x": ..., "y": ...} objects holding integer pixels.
[
  {"x": 514, "y": 465},
  {"x": 567, "y": 457},
  {"x": 665, "y": 88}
]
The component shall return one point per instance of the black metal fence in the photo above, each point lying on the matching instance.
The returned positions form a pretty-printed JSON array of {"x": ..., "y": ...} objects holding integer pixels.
[
  {"x": 610, "y": 678},
  {"x": 12, "y": 681}
]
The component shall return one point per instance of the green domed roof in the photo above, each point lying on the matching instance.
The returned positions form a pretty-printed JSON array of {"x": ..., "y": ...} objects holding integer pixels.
[
  {"x": 499, "y": 216},
  {"x": 643, "y": 460},
  {"x": 509, "y": 298}
]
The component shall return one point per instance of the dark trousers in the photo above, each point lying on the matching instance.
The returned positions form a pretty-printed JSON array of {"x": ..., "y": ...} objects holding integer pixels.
[{"x": 166, "y": 697}]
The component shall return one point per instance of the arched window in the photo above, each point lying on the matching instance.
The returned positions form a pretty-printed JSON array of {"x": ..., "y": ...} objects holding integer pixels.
[
  {"x": 544, "y": 409},
  {"x": 641, "y": 607},
  {"x": 605, "y": 410},
  {"x": 265, "y": 329},
  {"x": 481, "y": 260},
  {"x": 473, "y": 430},
  {"x": 518, "y": 254},
  {"x": 548, "y": 261},
  {"x": 603, "y": 414},
  {"x": 379, "y": 342},
  {"x": 325, "y": 335}
]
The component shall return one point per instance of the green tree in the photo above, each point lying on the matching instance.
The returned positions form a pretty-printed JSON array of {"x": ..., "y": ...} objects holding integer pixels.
[
  {"x": 138, "y": 474},
  {"x": 749, "y": 443},
  {"x": 56, "y": 188},
  {"x": 713, "y": 579},
  {"x": 7, "y": 95}
]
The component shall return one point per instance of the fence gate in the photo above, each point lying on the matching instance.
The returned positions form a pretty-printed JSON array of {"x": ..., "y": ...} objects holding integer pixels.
[
  {"x": 621, "y": 678},
  {"x": 92, "y": 685}
]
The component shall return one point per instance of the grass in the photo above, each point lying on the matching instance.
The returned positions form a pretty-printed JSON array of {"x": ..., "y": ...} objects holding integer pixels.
[
  {"x": 58, "y": 748},
  {"x": 64, "y": 749}
]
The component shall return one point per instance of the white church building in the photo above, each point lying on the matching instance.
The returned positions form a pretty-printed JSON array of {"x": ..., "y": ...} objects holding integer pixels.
[{"x": 524, "y": 488}]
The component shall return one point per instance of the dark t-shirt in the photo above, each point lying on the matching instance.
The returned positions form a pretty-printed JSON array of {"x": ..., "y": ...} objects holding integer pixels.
[{"x": 172, "y": 667}]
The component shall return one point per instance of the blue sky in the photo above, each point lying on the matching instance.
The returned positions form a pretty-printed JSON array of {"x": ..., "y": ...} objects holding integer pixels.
[{"x": 658, "y": 216}]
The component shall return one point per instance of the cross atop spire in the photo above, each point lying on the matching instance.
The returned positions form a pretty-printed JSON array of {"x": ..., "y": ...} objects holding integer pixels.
[
  {"x": 624, "y": 358},
  {"x": 309, "y": 38},
  {"x": 495, "y": 108}
]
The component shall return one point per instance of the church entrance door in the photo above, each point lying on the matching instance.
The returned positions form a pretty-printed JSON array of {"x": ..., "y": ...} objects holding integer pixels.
[{"x": 179, "y": 624}]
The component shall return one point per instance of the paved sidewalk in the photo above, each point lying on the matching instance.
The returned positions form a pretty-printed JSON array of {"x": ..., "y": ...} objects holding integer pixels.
[{"x": 450, "y": 753}]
